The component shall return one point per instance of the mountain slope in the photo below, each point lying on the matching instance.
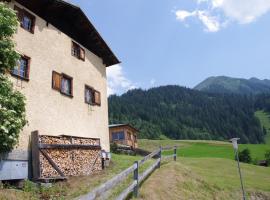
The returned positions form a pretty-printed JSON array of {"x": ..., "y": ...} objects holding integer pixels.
[
  {"x": 264, "y": 118},
  {"x": 223, "y": 84},
  {"x": 181, "y": 113}
]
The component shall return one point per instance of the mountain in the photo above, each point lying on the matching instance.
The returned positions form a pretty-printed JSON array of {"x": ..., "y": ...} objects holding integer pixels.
[
  {"x": 181, "y": 113},
  {"x": 223, "y": 84}
]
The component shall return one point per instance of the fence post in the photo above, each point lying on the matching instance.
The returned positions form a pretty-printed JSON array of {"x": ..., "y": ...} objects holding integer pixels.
[
  {"x": 159, "y": 156},
  {"x": 174, "y": 152},
  {"x": 136, "y": 178}
]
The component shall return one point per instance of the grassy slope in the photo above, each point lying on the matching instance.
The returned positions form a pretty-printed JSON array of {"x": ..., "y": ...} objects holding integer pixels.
[
  {"x": 210, "y": 175},
  {"x": 75, "y": 186},
  {"x": 206, "y": 178},
  {"x": 212, "y": 149},
  {"x": 265, "y": 121}
]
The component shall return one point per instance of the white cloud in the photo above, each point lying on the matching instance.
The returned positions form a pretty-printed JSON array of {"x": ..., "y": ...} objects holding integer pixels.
[
  {"x": 116, "y": 80},
  {"x": 183, "y": 14},
  {"x": 152, "y": 82},
  {"x": 216, "y": 14},
  {"x": 244, "y": 11},
  {"x": 211, "y": 23}
]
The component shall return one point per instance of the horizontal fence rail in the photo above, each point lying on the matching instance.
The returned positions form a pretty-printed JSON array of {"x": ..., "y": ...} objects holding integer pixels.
[{"x": 102, "y": 191}]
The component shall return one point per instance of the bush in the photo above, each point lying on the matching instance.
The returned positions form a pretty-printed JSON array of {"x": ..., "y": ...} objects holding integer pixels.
[
  {"x": 12, "y": 102},
  {"x": 244, "y": 156},
  {"x": 114, "y": 148},
  {"x": 267, "y": 157}
]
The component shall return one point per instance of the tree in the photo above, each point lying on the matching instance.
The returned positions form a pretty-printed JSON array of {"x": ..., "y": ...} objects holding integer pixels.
[
  {"x": 8, "y": 26},
  {"x": 244, "y": 156},
  {"x": 12, "y": 103},
  {"x": 267, "y": 157},
  {"x": 264, "y": 131}
]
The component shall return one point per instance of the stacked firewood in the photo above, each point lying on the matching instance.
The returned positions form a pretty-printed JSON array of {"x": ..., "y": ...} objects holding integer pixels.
[{"x": 71, "y": 161}]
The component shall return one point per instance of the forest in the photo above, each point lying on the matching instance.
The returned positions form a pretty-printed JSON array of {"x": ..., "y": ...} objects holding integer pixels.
[{"x": 180, "y": 113}]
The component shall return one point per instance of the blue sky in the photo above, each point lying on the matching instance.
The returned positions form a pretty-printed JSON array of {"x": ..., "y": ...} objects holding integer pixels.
[{"x": 182, "y": 42}]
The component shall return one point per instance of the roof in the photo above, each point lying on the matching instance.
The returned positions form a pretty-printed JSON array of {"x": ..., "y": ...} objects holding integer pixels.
[
  {"x": 121, "y": 125},
  {"x": 71, "y": 20}
]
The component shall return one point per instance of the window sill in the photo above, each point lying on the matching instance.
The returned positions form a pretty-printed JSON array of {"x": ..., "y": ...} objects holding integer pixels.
[
  {"x": 79, "y": 58},
  {"x": 30, "y": 31},
  {"x": 20, "y": 77},
  {"x": 67, "y": 95}
]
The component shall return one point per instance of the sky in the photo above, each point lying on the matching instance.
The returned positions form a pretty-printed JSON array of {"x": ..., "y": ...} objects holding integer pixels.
[{"x": 182, "y": 42}]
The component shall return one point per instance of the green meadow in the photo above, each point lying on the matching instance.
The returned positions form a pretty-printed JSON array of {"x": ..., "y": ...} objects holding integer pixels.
[{"x": 205, "y": 149}]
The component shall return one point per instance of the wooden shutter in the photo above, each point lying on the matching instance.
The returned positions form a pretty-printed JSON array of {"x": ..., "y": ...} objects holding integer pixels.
[
  {"x": 56, "y": 81},
  {"x": 97, "y": 98},
  {"x": 82, "y": 54},
  {"x": 33, "y": 18}
]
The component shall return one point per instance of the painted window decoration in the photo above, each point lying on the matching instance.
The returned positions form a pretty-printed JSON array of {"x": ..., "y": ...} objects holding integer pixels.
[
  {"x": 77, "y": 51},
  {"x": 118, "y": 135},
  {"x": 26, "y": 19},
  {"x": 92, "y": 97},
  {"x": 62, "y": 83},
  {"x": 22, "y": 68}
]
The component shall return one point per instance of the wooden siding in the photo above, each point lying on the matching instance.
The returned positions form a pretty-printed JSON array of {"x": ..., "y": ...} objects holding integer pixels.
[{"x": 130, "y": 136}]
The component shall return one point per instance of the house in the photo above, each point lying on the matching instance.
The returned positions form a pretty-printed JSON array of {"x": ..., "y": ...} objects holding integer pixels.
[
  {"x": 124, "y": 134},
  {"x": 62, "y": 73}
]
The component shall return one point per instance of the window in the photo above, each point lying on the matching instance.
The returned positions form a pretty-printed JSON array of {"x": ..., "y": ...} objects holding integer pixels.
[
  {"x": 22, "y": 68},
  {"x": 26, "y": 19},
  {"x": 89, "y": 95},
  {"x": 66, "y": 85},
  {"x": 77, "y": 51},
  {"x": 63, "y": 83},
  {"x": 118, "y": 135},
  {"x": 92, "y": 96}
]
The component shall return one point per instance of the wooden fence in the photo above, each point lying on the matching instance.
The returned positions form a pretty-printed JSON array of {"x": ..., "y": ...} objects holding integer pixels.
[{"x": 101, "y": 192}]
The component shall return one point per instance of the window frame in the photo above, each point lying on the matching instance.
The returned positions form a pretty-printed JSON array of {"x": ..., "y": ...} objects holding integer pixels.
[
  {"x": 63, "y": 75},
  {"x": 21, "y": 13},
  {"x": 27, "y": 73},
  {"x": 87, "y": 87},
  {"x": 117, "y": 133},
  {"x": 81, "y": 53}
]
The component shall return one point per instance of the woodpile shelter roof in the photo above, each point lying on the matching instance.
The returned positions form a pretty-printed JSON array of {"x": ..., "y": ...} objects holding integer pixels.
[{"x": 72, "y": 21}]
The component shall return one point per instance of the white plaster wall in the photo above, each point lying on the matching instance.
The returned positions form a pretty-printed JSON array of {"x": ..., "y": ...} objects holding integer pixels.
[{"x": 48, "y": 111}]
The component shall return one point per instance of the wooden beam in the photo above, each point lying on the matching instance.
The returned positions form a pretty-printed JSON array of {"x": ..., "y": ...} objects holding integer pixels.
[
  {"x": 35, "y": 155},
  {"x": 52, "y": 163},
  {"x": 68, "y": 146}
]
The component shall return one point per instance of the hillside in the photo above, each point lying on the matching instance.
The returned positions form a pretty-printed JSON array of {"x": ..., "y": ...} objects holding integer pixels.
[
  {"x": 264, "y": 118},
  {"x": 223, "y": 84},
  {"x": 196, "y": 174},
  {"x": 180, "y": 113},
  {"x": 206, "y": 178},
  {"x": 199, "y": 172}
]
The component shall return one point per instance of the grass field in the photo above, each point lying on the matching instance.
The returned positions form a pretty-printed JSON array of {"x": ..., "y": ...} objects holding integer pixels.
[
  {"x": 207, "y": 149},
  {"x": 206, "y": 178},
  {"x": 265, "y": 121}
]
